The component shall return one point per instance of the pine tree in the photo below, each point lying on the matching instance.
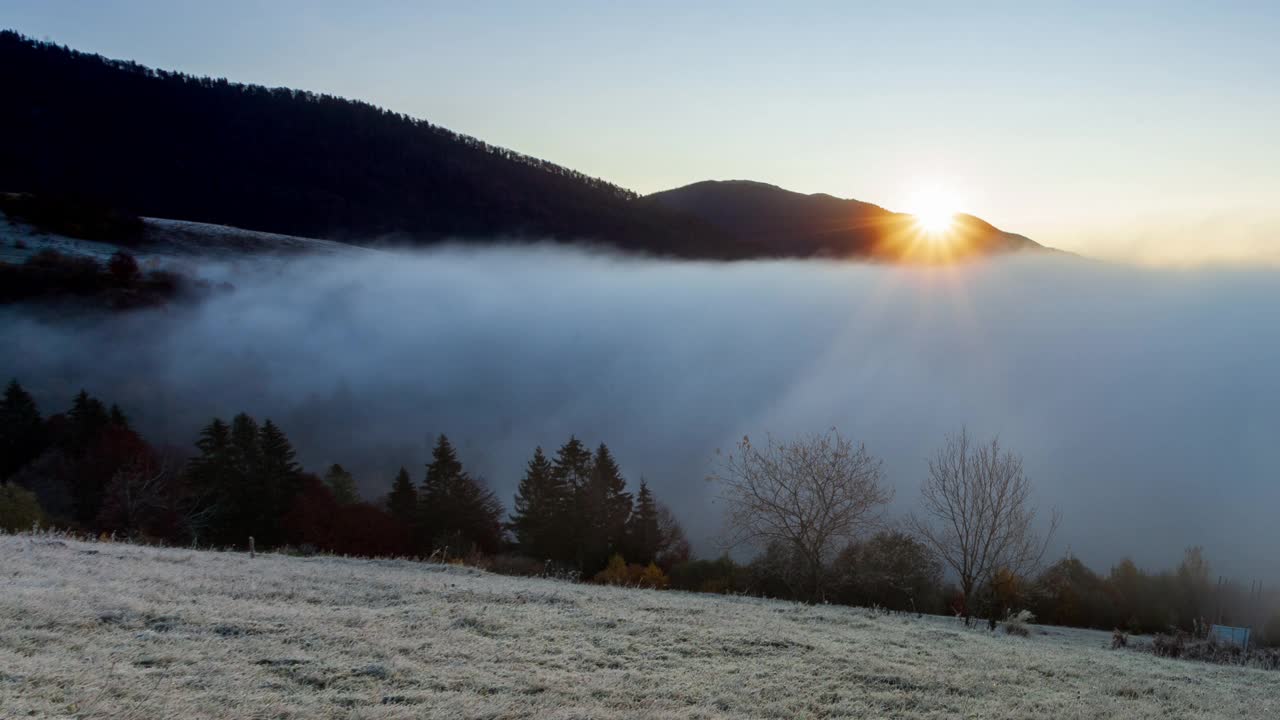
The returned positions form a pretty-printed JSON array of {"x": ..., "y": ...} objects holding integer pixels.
[
  {"x": 278, "y": 480},
  {"x": 245, "y": 450},
  {"x": 572, "y": 464},
  {"x": 542, "y": 503},
  {"x": 85, "y": 421},
  {"x": 643, "y": 532},
  {"x": 22, "y": 431},
  {"x": 442, "y": 474},
  {"x": 342, "y": 485},
  {"x": 402, "y": 502},
  {"x": 117, "y": 417},
  {"x": 85, "y": 442},
  {"x": 458, "y": 514},
  {"x": 607, "y": 509},
  {"x": 214, "y": 475},
  {"x": 572, "y": 470}
]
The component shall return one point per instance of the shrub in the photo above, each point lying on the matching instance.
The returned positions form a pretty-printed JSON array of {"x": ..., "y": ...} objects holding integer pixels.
[
  {"x": 653, "y": 577},
  {"x": 721, "y": 575},
  {"x": 1019, "y": 623},
  {"x": 1183, "y": 645},
  {"x": 615, "y": 573},
  {"x": 891, "y": 570},
  {"x": 618, "y": 572},
  {"x": 19, "y": 509},
  {"x": 1119, "y": 639}
]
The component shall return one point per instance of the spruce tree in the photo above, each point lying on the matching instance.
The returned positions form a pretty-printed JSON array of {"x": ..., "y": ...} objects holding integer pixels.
[
  {"x": 402, "y": 502},
  {"x": 117, "y": 417},
  {"x": 643, "y": 532},
  {"x": 22, "y": 431},
  {"x": 278, "y": 480},
  {"x": 541, "y": 505},
  {"x": 572, "y": 470},
  {"x": 607, "y": 511},
  {"x": 342, "y": 485},
  {"x": 85, "y": 421},
  {"x": 86, "y": 426},
  {"x": 245, "y": 451},
  {"x": 213, "y": 474},
  {"x": 435, "y": 495},
  {"x": 458, "y": 513}
]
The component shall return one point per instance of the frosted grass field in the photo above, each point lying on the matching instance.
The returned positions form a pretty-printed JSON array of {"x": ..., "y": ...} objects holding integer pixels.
[{"x": 105, "y": 630}]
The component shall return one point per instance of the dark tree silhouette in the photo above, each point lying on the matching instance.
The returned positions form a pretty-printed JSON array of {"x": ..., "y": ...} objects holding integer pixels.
[
  {"x": 342, "y": 485},
  {"x": 644, "y": 535},
  {"x": 22, "y": 431},
  {"x": 572, "y": 468},
  {"x": 459, "y": 515},
  {"x": 606, "y": 507},
  {"x": 543, "y": 504},
  {"x": 402, "y": 501}
]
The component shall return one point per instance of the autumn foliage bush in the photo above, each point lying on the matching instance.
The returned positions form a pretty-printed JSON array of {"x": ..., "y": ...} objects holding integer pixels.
[{"x": 618, "y": 572}]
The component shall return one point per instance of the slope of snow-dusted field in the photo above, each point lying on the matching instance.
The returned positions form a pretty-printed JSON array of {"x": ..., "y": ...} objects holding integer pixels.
[
  {"x": 167, "y": 240},
  {"x": 97, "y": 630}
]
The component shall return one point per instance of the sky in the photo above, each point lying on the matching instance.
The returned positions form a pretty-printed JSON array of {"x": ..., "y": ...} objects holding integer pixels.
[{"x": 1141, "y": 131}]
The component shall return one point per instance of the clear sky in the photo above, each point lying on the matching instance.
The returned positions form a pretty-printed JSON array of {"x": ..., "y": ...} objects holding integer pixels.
[{"x": 1145, "y": 130}]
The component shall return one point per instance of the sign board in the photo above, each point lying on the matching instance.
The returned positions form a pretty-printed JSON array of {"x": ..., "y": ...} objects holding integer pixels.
[{"x": 1230, "y": 635}]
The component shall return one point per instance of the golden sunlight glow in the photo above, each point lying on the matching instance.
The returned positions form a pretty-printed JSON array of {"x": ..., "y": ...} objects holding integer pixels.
[{"x": 934, "y": 209}]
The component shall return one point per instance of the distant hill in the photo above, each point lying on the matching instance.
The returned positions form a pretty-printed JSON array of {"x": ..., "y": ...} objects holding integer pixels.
[
  {"x": 163, "y": 144},
  {"x": 779, "y": 222},
  {"x": 144, "y": 142}
]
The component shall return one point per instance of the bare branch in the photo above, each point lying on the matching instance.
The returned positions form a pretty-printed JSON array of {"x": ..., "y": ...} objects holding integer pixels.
[{"x": 811, "y": 495}]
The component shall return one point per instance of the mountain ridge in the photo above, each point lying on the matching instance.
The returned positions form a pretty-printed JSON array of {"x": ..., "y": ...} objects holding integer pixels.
[
  {"x": 789, "y": 223},
  {"x": 164, "y": 144}
]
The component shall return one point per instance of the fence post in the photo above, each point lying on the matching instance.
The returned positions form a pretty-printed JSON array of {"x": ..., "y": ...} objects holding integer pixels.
[{"x": 251, "y": 551}]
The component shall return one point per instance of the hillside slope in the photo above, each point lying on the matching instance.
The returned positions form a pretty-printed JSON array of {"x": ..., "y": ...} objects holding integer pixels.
[
  {"x": 154, "y": 143},
  {"x": 789, "y": 224},
  {"x": 163, "y": 144},
  {"x": 98, "y": 630}
]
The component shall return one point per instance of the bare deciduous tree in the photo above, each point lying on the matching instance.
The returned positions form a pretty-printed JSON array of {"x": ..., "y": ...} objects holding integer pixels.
[
  {"x": 978, "y": 515},
  {"x": 811, "y": 495},
  {"x": 145, "y": 495}
]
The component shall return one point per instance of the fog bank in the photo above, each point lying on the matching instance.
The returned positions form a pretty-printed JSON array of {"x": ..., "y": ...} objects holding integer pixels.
[{"x": 1144, "y": 402}]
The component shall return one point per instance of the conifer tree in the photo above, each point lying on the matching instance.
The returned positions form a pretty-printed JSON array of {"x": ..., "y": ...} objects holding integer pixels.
[
  {"x": 572, "y": 470},
  {"x": 643, "y": 532},
  {"x": 85, "y": 421},
  {"x": 278, "y": 479},
  {"x": 402, "y": 502},
  {"x": 215, "y": 475},
  {"x": 245, "y": 451},
  {"x": 458, "y": 514},
  {"x": 22, "y": 431},
  {"x": 342, "y": 485},
  {"x": 95, "y": 447},
  {"x": 117, "y": 417},
  {"x": 542, "y": 507},
  {"x": 607, "y": 509}
]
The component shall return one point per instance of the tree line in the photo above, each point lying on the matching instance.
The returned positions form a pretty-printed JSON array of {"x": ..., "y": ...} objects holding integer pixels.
[
  {"x": 809, "y": 512},
  {"x": 88, "y": 469}
]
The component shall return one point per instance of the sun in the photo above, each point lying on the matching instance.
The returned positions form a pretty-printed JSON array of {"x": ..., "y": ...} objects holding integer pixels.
[{"x": 934, "y": 209}]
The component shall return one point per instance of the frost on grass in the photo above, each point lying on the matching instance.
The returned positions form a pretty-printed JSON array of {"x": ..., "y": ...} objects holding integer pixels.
[{"x": 107, "y": 631}]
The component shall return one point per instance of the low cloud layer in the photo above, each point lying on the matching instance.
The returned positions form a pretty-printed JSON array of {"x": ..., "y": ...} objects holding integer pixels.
[{"x": 1145, "y": 403}]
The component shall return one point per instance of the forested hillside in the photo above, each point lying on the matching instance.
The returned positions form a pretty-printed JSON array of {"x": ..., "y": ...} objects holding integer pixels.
[{"x": 164, "y": 144}]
